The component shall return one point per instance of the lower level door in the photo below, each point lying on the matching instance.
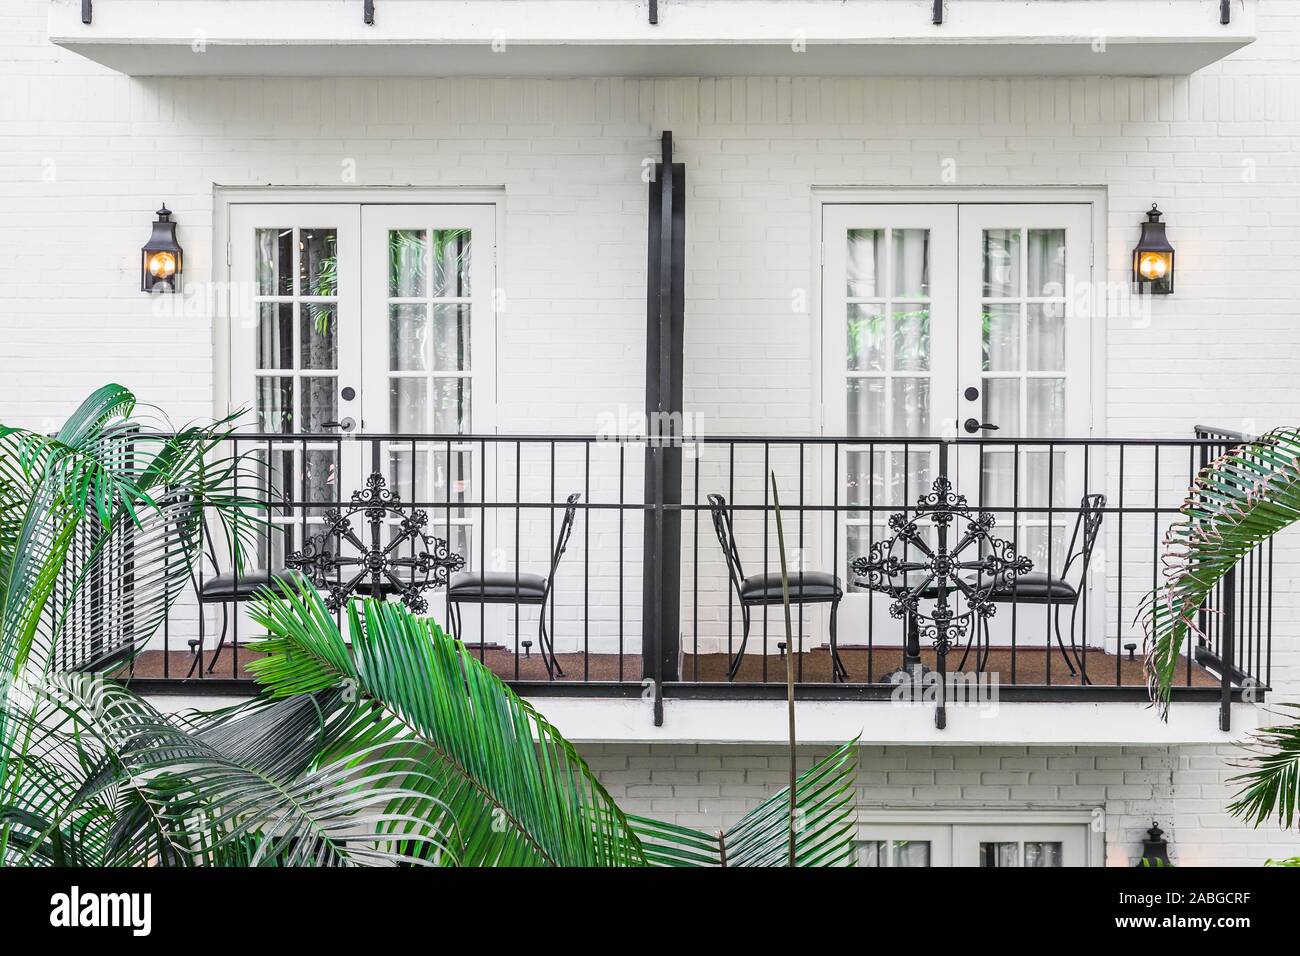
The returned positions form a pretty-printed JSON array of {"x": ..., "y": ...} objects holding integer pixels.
[{"x": 1028, "y": 845}]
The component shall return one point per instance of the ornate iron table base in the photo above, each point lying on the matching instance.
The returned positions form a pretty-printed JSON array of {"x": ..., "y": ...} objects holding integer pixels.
[{"x": 429, "y": 562}]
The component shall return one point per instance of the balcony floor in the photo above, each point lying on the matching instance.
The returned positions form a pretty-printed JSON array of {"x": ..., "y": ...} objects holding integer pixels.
[{"x": 1031, "y": 667}]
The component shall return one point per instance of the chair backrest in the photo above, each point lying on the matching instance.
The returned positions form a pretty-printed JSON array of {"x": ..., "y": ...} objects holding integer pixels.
[
  {"x": 1087, "y": 525},
  {"x": 723, "y": 528},
  {"x": 562, "y": 539}
]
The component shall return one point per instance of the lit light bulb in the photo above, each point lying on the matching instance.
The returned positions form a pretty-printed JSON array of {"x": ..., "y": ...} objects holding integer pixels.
[
  {"x": 162, "y": 265},
  {"x": 1153, "y": 266}
]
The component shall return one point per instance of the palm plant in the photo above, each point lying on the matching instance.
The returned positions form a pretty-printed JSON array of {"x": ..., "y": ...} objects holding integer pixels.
[
  {"x": 392, "y": 746},
  {"x": 1237, "y": 502}
]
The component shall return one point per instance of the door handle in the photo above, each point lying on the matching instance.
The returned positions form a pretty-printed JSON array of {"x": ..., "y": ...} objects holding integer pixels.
[
  {"x": 346, "y": 424},
  {"x": 972, "y": 425}
]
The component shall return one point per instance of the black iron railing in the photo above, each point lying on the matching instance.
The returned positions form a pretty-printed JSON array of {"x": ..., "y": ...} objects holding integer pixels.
[{"x": 499, "y": 500}]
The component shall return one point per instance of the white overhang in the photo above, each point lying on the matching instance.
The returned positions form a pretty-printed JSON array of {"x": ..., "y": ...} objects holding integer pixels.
[
  {"x": 878, "y": 723},
  {"x": 615, "y": 37}
]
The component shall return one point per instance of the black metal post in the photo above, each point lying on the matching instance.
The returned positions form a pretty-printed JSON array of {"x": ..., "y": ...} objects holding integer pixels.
[
  {"x": 1225, "y": 11},
  {"x": 654, "y": 12},
  {"x": 1227, "y": 656},
  {"x": 85, "y": 11},
  {"x": 938, "y": 13},
  {"x": 941, "y": 657},
  {"x": 663, "y": 481},
  {"x": 368, "y": 12}
]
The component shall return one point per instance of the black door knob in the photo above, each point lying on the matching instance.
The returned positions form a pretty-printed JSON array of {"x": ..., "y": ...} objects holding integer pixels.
[{"x": 972, "y": 425}]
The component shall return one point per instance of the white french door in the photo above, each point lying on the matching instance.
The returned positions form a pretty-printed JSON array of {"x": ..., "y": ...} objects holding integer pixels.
[
  {"x": 930, "y": 844},
  {"x": 428, "y": 363},
  {"x": 944, "y": 320},
  {"x": 368, "y": 319},
  {"x": 1024, "y": 365},
  {"x": 295, "y": 350}
]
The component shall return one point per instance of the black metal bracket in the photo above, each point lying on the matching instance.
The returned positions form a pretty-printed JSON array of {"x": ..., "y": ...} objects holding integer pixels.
[
  {"x": 368, "y": 12},
  {"x": 937, "y": 20},
  {"x": 1225, "y": 12},
  {"x": 85, "y": 11},
  {"x": 654, "y": 12}
]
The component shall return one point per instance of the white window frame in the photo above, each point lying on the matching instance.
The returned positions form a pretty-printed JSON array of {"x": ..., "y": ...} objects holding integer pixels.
[{"x": 936, "y": 824}]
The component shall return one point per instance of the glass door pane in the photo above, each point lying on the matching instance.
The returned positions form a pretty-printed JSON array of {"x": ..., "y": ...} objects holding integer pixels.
[
  {"x": 1021, "y": 845},
  {"x": 1024, "y": 360},
  {"x": 889, "y": 331},
  {"x": 295, "y": 356},
  {"x": 428, "y": 273}
]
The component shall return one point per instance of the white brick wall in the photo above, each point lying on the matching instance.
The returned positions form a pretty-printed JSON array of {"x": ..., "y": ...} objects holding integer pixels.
[
  {"x": 711, "y": 786},
  {"x": 86, "y": 155}
]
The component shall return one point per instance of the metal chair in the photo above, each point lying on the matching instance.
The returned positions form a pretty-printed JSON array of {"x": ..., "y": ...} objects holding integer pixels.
[
  {"x": 226, "y": 588},
  {"x": 516, "y": 587},
  {"x": 1037, "y": 588},
  {"x": 758, "y": 590}
]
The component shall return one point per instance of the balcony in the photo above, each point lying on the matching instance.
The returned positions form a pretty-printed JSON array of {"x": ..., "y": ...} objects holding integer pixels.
[
  {"x": 645, "y": 612},
  {"x": 652, "y": 37}
]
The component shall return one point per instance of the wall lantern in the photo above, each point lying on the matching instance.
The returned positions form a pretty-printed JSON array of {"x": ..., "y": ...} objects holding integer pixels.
[
  {"x": 1155, "y": 848},
  {"x": 1153, "y": 259},
  {"x": 160, "y": 269}
]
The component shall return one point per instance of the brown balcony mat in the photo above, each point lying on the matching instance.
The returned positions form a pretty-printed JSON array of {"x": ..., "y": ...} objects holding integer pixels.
[{"x": 1031, "y": 667}]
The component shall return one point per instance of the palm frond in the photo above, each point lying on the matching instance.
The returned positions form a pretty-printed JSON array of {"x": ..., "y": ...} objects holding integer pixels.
[
  {"x": 1271, "y": 785},
  {"x": 1237, "y": 502},
  {"x": 825, "y": 831},
  {"x": 111, "y": 782},
  {"x": 104, "y": 500},
  {"x": 519, "y": 792}
]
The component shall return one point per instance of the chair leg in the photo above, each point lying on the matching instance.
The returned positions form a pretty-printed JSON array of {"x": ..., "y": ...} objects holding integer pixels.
[
  {"x": 1056, "y": 626},
  {"x": 1074, "y": 647},
  {"x": 225, "y": 625},
  {"x": 453, "y": 619},
  {"x": 744, "y": 639},
  {"x": 982, "y": 662},
  {"x": 547, "y": 648},
  {"x": 970, "y": 641},
  {"x": 838, "y": 670},
  {"x": 197, "y": 660}
]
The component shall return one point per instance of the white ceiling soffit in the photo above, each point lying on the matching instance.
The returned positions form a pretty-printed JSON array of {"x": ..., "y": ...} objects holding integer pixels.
[{"x": 615, "y": 37}]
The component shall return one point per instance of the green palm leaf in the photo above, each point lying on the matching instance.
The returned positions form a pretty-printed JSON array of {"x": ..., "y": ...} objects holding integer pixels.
[
  {"x": 518, "y": 791},
  {"x": 825, "y": 825},
  {"x": 1271, "y": 785},
  {"x": 1237, "y": 502},
  {"x": 120, "y": 784}
]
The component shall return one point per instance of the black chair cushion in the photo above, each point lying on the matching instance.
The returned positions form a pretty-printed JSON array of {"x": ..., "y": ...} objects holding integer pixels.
[
  {"x": 1035, "y": 586},
  {"x": 804, "y": 586},
  {"x": 498, "y": 587},
  {"x": 223, "y": 587}
]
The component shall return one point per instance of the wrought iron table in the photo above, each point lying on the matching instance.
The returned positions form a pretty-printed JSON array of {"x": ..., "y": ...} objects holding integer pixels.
[
  {"x": 939, "y": 574},
  {"x": 428, "y": 561}
]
